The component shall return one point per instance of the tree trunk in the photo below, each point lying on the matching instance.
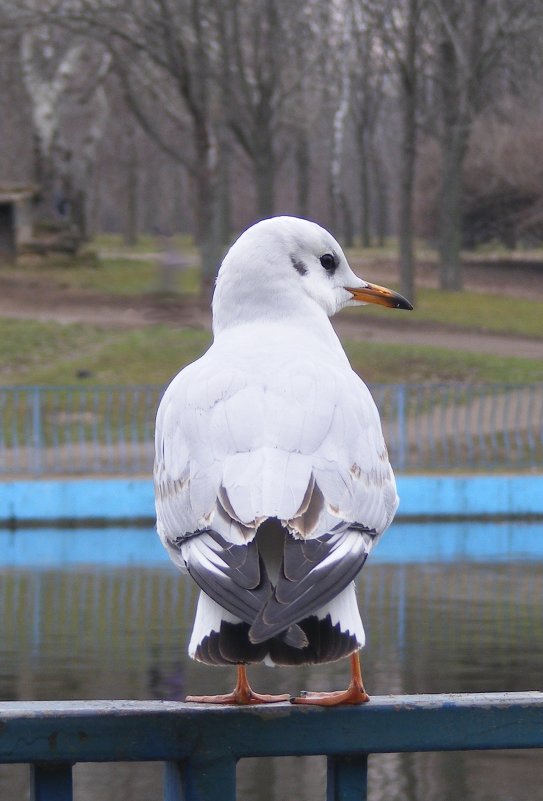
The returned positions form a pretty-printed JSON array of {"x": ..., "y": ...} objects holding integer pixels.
[
  {"x": 209, "y": 240},
  {"x": 450, "y": 217},
  {"x": 180, "y": 200},
  {"x": 207, "y": 220},
  {"x": 131, "y": 227},
  {"x": 303, "y": 173},
  {"x": 224, "y": 190},
  {"x": 43, "y": 170},
  {"x": 453, "y": 143},
  {"x": 408, "y": 155},
  {"x": 347, "y": 227},
  {"x": 381, "y": 199},
  {"x": 79, "y": 215},
  {"x": 264, "y": 166},
  {"x": 364, "y": 178}
]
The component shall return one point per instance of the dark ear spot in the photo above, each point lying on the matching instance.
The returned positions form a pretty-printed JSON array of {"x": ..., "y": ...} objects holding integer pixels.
[{"x": 298, "y": 265}]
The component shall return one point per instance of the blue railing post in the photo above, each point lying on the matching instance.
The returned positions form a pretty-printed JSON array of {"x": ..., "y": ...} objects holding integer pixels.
[
  {"x": 173, "y": 781},
  {"x": 37, "y": 429},
  {"x": 201, "y": 779},
  {"x": 51, "y": 783},
  {"x": 347, "y": 778},
  {"x": 401, "y": 428}
]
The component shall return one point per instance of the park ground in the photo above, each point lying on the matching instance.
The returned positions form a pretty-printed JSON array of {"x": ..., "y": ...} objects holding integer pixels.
[{"x": 134, "y": 315}]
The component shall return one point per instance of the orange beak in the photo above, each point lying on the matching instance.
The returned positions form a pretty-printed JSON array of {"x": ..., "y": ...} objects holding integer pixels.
[{"x": 373, "y": 293}]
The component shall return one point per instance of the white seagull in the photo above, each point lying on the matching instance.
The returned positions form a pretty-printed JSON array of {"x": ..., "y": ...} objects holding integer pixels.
[{"x": 272, "y": 478}]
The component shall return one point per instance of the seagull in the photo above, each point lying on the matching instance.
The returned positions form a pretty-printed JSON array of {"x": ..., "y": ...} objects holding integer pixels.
[{"x": 272, "y": 478}]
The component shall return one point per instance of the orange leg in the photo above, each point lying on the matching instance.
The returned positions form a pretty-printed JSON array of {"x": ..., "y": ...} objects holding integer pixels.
[
  {"x": 241, "y": 694},
  {"x": 354, "y": 694}
]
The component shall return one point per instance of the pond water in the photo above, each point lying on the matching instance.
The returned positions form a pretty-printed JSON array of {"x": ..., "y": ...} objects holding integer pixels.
[{"x": 454, "y": 607}]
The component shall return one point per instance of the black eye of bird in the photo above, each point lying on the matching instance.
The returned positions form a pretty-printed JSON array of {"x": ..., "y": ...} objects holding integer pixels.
[{"x": 329, "y": 262}]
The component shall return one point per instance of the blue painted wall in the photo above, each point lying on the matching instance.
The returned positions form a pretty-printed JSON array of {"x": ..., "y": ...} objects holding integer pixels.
[
  {"x": 45, "y": 548},
  {"x": 114, "y": 499},
  {"x": 468, "y": 496}
]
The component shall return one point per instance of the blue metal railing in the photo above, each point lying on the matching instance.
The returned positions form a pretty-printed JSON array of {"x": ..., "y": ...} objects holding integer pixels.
[
  {"x": 109, "y": 430},
  {"x": 87, "y": 430},
  {"x": 200, "y": 744}
]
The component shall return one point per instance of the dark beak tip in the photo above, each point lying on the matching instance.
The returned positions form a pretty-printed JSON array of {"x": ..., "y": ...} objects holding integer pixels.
[{"x": 403, "y": 303}]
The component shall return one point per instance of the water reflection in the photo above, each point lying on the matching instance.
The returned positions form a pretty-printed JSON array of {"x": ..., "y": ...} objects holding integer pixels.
[{"x": 101, "y": 614}]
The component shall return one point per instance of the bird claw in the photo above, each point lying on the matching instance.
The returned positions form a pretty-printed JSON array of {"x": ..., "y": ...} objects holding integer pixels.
[
  {"x": 237, "y": 698},
  {"x": 351, "y": 696}
]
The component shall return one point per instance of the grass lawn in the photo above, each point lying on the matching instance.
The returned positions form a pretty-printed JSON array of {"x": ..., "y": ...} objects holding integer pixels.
[
  {"x": 48, "y": 352},
  {"x": 51, "y": 353},
  {"x": 147, "y": 243},
  {"x": 472, "y": 310},
  {"x": 396, "y": 364},
  {"x": 112, "y": 276},
  {"x": 142, "y": 276}
]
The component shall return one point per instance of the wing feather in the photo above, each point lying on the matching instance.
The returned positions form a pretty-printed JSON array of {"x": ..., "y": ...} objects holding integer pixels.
[
  {"x": 234, "y": 576},
  {"x": 313, "y": 573}
]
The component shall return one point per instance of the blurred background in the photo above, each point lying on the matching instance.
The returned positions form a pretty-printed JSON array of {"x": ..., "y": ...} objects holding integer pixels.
[
  {"x": 401, "y": 118},
  {"x": 138, "y": 138}
]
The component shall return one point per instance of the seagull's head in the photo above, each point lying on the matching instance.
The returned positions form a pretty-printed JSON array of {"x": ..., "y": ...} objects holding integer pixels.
[{"x": 279, "y": 265}]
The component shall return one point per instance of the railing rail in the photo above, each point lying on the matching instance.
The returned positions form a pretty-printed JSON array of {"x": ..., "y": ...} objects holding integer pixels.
[
  {"x": 109, "y": 430},
  {"x": 201, "y": 744}
]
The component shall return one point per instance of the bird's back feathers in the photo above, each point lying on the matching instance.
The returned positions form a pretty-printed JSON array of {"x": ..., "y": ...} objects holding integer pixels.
[{"x": 255, "y": 439}]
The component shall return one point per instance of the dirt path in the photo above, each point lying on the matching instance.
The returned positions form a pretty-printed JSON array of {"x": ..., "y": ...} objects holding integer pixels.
[
  {"x": 39, "y": 300},
  {"x": 439, "y": 336}
]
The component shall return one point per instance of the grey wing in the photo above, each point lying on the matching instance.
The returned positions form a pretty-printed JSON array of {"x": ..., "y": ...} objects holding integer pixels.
[
  {"x": 232, "y": 575},
  {"x": 313, "y": 572}
]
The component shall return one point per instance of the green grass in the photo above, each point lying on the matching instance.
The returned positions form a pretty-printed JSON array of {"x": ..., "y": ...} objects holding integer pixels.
[
  {"x": 141, "y": 356},
  {"x": 147, "y": 243},
  {"x": 391, "y": 364},
  {"x": 112, "y": 276},
  {"x": 130, "y": 277},
  {"x": 474, "y": 311},
  {"x": 48, "y": 352},
  {"x": 51, "y": 353},
  {"x": 25, "y": 345}
]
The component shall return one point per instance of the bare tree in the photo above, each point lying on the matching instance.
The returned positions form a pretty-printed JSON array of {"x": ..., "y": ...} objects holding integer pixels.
[
  {"x": 64, "y": 81},
  {"x": 315, "y": 105},
  {"x": 400, "y": 24},
  {"x": 264, "y": 46},
  {"x": 369, "y": 74},
  {"x": 472, "y": 41},
  {"x": 162, "y": 52},
  {"x": 46, "y": 90},
  {"x": 342, "y": 20}
]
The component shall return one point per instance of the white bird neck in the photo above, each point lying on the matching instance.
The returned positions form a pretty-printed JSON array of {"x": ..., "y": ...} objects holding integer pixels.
[{"x": 309, "y": 329}]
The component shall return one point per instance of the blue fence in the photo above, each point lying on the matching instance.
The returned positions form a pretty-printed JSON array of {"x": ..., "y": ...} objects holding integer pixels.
[
  {"x": 109, "y": 430},
  {"x": 200, "y": 745},
  {"x": 66, "y": 430}
]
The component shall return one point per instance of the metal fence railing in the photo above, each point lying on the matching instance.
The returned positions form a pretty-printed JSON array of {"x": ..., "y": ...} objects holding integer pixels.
[
  {"x": 462, "y": 426},
  {"x": 201, "y": 745},
  {"x": 66, "y": 430},
  {"x": 109, "y": 430}
]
